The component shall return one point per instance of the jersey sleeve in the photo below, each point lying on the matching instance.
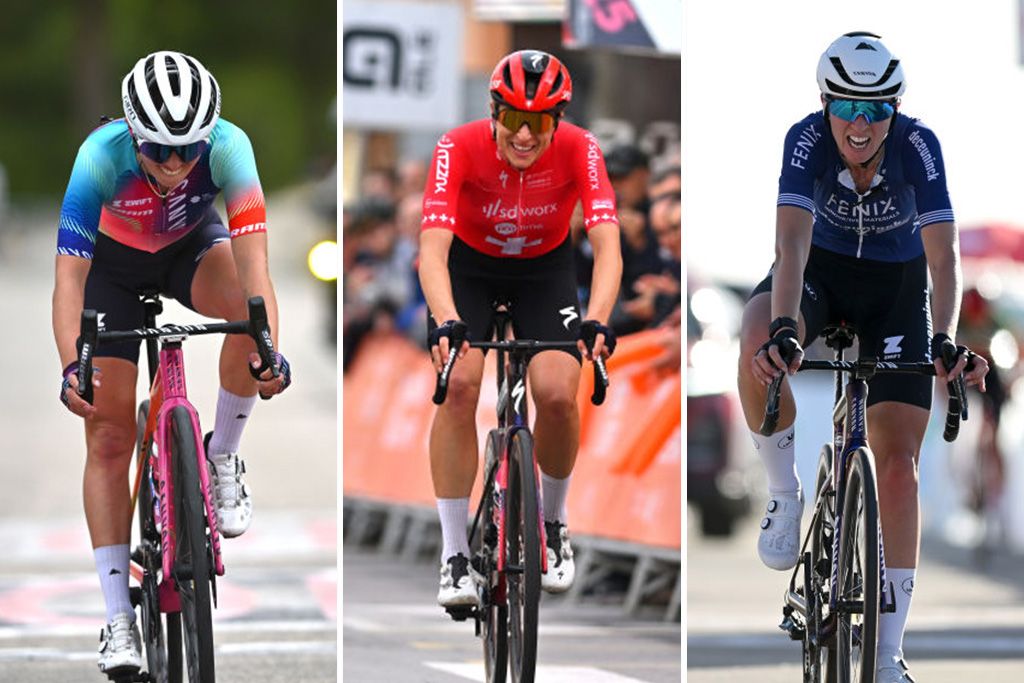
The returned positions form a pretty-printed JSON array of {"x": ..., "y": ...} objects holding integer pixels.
[
  {"x": 804, "y": 149},
  {"x": 91, "y": 184},
  {"x": 233, "y": 169},
  {"x": 444, "y": 180},
  {"x": 922, "y": 161},
  {"x": 596, "y": 191}
]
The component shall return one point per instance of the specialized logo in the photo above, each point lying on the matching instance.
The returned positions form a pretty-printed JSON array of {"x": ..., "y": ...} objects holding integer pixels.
[
  {"x": 568, "y": 315},
  {"x": 434, "y": 202},
  {"x": 503, "y": 177},
  {"x": 908, "y": 586},
  {"x": 892, "y": 347},
  {"x": 536, "y": 60},
  {"x": 517, "y": 396},
  {"x": 605, "y": 204},
  {"x": 786, "y": 441},
  {"x": 443, "y": 160}
]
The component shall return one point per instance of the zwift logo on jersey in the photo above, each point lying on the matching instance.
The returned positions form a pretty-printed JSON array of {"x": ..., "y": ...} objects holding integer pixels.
[
  {"x": 893, "y": 348},
  {"x": 497, "y": 210},
  {"x": 443, "y": 160}
]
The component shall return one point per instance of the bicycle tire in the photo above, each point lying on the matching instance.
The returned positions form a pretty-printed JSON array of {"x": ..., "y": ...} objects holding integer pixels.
[
  {"x": 162, "y": 643},
  {"x": 820, "y": 657},
  {"x": 192, "y": 558},
  {"x": 858, "y": 576},
  {"x": 494, "y": 622},
  {"x": 523, "y": 567}
]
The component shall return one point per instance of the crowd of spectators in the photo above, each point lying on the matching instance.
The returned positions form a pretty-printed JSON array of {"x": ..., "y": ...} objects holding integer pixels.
[{"x": 380, "y": 287}]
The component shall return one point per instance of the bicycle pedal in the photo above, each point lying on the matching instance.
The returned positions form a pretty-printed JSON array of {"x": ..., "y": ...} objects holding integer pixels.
[
  {"x": 461, "y": 612},
  {"x": 793, "y": 628}
]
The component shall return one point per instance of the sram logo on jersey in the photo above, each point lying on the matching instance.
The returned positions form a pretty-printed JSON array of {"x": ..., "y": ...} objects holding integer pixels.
[
  {"x": 496, "y": 210},
  {"x": 443, "y": 160}
]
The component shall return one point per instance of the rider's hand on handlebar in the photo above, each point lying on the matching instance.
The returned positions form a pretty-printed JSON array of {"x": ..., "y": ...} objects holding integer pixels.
[
  {"x": 971, "y": 365},
  {"x": 440, "y": 338},
  {"x": 599, "y": 338},
  {"x": 268, "y": 384},
  {"x": 69, "y": 391},
  {"x": 782, "y": 352}
]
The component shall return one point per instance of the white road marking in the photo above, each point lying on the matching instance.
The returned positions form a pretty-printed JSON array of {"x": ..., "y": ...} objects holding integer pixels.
[
  {"x": 75, "y": 631},
  {"x": 545, "y": 674},
  {"x": 311, "y": 647},
  {"x": 917, "y": 642}
]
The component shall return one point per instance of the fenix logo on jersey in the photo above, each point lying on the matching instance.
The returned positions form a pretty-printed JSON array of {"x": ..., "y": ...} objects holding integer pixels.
[
  {"x": 443, "y": 161},
  {"x": 809, "y": 136}
]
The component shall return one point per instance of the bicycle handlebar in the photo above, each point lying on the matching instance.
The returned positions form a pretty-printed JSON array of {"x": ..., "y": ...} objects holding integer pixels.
[
  {"x": 955, "y": 411},
  {"x": 256, "y": 327},
  {"x": 441, "y": 388}
]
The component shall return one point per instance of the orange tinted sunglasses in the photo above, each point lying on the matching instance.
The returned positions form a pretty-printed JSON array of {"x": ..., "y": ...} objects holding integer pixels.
[{"x": 537, "y": 121}]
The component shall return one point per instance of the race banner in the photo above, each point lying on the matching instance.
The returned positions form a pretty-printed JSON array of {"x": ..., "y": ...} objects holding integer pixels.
[
  {"x": 402, "y": 65},
  {"x": 631, "y": 25}
]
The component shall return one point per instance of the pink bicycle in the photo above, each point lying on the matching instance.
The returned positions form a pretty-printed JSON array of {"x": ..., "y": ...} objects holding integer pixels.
[{"x": 178, "y": 558}]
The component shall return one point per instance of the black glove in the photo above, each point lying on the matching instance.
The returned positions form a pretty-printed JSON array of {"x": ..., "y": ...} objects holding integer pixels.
[
  {"x": 589, "y": 329},
  {"x": 943, "y": 347},
  {"x": 284, "y": 370},
  {"x": 782, "y": 333},
  {"x": 456, "y": 331}
]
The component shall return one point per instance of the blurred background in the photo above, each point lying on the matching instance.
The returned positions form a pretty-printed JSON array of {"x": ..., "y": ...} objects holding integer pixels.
[
  {"x": 412, "y": 71},
  {"x": 61, "y": 66},
  {"x": 971, "y": 492}
]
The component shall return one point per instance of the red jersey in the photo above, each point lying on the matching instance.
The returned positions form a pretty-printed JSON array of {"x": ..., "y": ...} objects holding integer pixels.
[{"x": 499, "y": 210}]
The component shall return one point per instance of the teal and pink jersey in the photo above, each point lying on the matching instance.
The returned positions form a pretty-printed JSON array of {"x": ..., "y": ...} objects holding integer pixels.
[{"x": 110, "y": 193}]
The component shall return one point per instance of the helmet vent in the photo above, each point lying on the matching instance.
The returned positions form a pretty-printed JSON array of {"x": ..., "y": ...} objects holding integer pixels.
[{"x": 866, "y": 46}]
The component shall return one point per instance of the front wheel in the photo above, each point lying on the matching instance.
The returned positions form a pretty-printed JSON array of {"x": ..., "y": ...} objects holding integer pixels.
[
  {"x": 192, "y": 554},
  {"x": 858, "y": 578},
  {"x": 494, "y": 621},
  {"x": 523, "y": 553},
  {"x": 162, "y": 645}
]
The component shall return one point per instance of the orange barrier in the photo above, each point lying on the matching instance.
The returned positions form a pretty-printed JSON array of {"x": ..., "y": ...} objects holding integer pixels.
[{"x": 626, "y": 483}]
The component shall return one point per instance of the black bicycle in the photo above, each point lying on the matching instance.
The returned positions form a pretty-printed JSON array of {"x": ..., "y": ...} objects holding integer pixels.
[
  {"x": 507, "y": 537},
  {"x": 836, "y": 591}
]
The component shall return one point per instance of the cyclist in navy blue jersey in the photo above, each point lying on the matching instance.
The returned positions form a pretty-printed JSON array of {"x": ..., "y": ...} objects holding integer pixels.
[{"x": 863, "y": 218}]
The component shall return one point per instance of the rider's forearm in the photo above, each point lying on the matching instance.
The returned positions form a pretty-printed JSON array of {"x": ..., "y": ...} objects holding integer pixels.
[
  {"x": 943, "y": 255},
  {"x": 68, "y": 299},
  {"x": 434, "y": 277},
  {"x": 250, "y": 253},
  {"x": 792, "y": 247},
  {"x": 604, "y": 289}
]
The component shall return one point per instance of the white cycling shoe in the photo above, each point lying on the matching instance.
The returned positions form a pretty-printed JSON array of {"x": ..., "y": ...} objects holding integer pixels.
[
  {"x": 120, "y": 646},
  {"x": 458, "y": 583},
  {"x": 779, "y": 542},
  {"x": 892, "y": 669},
  {"x": 561, "y": 568},
  {"x": 230, "y": 495}
]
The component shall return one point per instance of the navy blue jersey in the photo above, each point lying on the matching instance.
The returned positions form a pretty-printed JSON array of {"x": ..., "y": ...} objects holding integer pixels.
[{"x": 907, "y": 194}]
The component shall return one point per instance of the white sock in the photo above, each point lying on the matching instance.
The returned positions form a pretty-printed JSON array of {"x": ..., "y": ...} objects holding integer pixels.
[
  {"x": 554, "y": 492},
  {"x": 232, "y": 414},
  {"x": 454, "y": 514},
  {"x": 779, "y": 458},
  {"x": 112, "y": 567},
  {"x": 891, "y": 625}
]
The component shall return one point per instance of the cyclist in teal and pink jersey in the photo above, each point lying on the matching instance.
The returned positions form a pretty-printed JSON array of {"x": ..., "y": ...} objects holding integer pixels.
[
  {"x": 496, "y": 212},
  {"x": 138, "y": 215}
]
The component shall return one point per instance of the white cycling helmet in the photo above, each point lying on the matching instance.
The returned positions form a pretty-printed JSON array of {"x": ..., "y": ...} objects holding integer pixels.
[
  {"x": 171, "y": 99},
  {"x": 858, "y": 66}
]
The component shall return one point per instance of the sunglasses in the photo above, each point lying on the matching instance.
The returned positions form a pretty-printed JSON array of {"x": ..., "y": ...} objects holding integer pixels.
[
  {"x": 537, "y": 121},
  {"x": 161, "y": 153},
  {"x": 872, "y": 110}
]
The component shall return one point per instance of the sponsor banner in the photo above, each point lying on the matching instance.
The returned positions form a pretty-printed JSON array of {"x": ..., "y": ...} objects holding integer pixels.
[
  {"x": 401, "y": 65},
  {"x": 519, "y": 10},
  {"x": 646, "y": 25}
]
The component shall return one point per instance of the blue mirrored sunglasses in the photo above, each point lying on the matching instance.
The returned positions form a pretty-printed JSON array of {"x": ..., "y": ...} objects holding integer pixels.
[
  {"x": 872, "y": 110},
  {"x": 161, "y": 153}
]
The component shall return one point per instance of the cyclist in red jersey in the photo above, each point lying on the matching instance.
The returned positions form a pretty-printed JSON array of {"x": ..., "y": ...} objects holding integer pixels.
[{"x": 496, "y": 211}]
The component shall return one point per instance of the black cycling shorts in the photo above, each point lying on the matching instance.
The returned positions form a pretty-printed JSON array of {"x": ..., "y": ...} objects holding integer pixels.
[
  {"x": 887, "y": 304},
  {"x": 542, "y": 293},
  {"x": 119, "y": 273}
]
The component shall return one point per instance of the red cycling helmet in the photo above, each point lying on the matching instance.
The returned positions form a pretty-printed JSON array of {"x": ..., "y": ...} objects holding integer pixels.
[{"x": 531, "y": 80}]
